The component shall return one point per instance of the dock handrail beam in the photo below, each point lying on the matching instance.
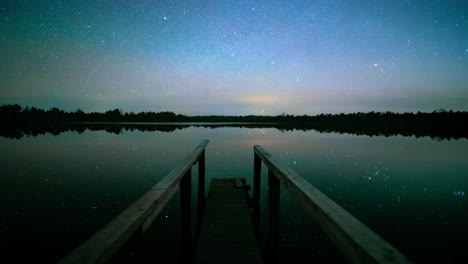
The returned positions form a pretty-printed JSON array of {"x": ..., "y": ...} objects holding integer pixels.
[
  {"x": 139, "y": 216},
  {"x": 357, "y": 242}
]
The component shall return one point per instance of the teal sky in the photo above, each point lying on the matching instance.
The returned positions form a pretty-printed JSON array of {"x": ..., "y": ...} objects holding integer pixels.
[{"x": 235, "y": 57}]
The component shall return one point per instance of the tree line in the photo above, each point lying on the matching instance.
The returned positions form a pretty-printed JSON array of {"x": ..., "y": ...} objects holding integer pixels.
[
  {"x": 437, "y": 133},
  {"x": 15, "y": 114},
  {"x": 18, "y": 122}
]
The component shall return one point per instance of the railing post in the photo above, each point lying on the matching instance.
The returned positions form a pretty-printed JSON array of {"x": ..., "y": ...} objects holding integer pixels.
[
  {"x": 273, "y": 215},
  {"x": 186, "y": 216},
  {"x": 257, "y": 172},
  {"x": 256, "y": 195},
  {"x": 201, "y": 190}
]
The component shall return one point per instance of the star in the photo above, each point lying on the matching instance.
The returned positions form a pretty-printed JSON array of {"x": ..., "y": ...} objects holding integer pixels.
[{"x": 86, "y": 45}]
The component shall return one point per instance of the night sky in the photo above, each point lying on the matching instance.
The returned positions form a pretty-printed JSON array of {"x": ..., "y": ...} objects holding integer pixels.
[{"x": 235, "y": 57}]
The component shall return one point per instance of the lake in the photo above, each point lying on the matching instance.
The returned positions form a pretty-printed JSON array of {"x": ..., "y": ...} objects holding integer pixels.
[{"x": 57, "y": 190}]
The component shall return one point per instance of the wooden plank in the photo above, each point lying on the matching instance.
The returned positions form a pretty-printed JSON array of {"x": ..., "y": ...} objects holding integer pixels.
[
  {"x": 108, "y": 240},
  {"x": 162, "y": 203},
  {"x": 227, "y": 235},
  {"x": 355, "y": 240}
]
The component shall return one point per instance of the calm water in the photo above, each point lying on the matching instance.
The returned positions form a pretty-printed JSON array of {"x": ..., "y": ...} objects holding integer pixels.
[{"x": 58, "y": 190}]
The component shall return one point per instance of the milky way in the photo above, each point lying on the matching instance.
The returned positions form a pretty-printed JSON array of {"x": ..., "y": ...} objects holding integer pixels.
[{"x": 235, "y": 57}]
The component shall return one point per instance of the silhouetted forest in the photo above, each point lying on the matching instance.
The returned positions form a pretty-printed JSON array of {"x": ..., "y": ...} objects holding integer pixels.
[{"x": 18, "y": 122}]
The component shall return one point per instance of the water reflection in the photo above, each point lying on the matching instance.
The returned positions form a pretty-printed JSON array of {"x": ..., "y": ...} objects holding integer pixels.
[
  {"x": 60, "y": 189},
  {"x": 436, "y": 133}
]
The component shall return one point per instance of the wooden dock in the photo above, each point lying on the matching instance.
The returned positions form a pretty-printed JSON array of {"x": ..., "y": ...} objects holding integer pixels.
[
  {"x": 227, "y": 234},
  {"x": 224, "y": 230}
]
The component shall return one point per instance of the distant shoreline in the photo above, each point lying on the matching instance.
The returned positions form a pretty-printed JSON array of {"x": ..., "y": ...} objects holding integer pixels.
[
  {"x": 435, "y": 131},
  {"x": 217, "y": 123},
  {"x": 18, "y": 122},
  {"x": 18, "y": 114}
]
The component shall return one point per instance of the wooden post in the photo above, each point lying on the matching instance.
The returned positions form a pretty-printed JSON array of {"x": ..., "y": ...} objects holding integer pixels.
[
  {"x": 186, "y": 216},
  {"x": 257, "y": 172},
  {"x": 355, "y": 240},
  {"x": 273, "y": 216},
  {"x": 256, "y": 196},
  {"x": 138, "y": 217},
  {"x": 201, "y": 191}
]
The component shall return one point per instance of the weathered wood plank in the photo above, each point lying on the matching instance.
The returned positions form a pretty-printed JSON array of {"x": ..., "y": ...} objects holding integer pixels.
[
  {"x": 227, "y": 235},
  {"x": 355, "y": 240},
  {"x": 108, "y": 240}
]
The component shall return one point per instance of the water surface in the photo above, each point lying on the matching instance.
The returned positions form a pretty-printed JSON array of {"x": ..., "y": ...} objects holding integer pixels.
[{"x": 58, "y": 190}]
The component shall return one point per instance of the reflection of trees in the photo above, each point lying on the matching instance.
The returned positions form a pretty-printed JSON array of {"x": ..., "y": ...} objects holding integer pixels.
[
  {"x": 441, "y": 124},
  {"x": 35, "y": 130}
]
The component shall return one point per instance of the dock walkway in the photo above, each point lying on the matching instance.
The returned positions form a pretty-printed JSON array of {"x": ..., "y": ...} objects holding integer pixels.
[
  {"x": 225, "y": 231},
  {"x": 227, "y": 234}
]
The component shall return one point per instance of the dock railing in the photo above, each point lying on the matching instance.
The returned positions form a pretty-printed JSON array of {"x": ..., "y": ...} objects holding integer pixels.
[
  {"x": 137, "y": 218},
  {"x": 356, "y": 241}
]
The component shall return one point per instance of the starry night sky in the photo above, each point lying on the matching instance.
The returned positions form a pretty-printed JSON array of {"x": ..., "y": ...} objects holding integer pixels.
[{"x": 235, "y": 57}]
